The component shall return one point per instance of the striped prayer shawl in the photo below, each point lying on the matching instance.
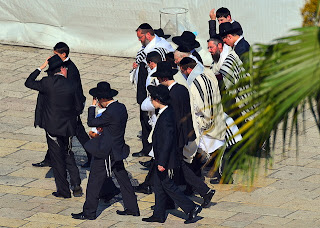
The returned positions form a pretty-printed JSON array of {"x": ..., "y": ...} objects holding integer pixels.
[
  {"x": 232, "y": 70},
  {"x": 205, "y": 100}
]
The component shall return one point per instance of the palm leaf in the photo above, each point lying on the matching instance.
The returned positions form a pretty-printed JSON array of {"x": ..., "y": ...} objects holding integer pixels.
[{"x": 285, "y": 76}]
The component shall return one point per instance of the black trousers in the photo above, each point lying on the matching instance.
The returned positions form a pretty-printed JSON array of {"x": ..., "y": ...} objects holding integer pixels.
[
  {"x": 62, "y": 159},
  {"x": 193, "y": 180},
  {"x": 97, "y": 177},
  {"x": 146, "y": 129},
  {"x": 165, "y": 187},
  {"x": 81, "y": 135},
  {"x": 148, "y": 181}
]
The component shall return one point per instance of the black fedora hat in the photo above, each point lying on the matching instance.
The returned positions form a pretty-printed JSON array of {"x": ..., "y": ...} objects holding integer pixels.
[
  {"x": 186, "y": 39},
  {"x": 159, "y": 32},
  {"x": 103, "y": 90},
  {"x": 164, "y": 70},
  {"x": 54, "y": 63},
  {"x": 227, "y": 28},
  {"x": 159, "y": 92}
]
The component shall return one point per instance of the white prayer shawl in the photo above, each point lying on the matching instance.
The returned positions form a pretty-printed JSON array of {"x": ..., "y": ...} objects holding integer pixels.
[{"x": 207, "y": 112}]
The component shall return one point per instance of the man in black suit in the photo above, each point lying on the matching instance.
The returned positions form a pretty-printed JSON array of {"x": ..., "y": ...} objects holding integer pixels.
[
  {"x": 62, "y": 50},
  {"x": 230, "y": 36},
  {"x": 164, "y": 145},
  {"x": 60, "y": 107},
  {"x": 108, "y": 150},
  {"x": 180, "y": 102}
]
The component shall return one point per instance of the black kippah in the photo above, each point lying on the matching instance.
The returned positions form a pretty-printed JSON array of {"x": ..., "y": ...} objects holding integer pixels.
[{"x": 145, "y": 26}]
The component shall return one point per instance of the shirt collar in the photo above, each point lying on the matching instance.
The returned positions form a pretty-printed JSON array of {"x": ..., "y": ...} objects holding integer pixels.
[
  {"x": 66, "y": 59},
  {"x": 235, "y": 43},
  {"x": 169, "y": 87},
  {"x": 162, "y": 110},
  {"x": 111, "y": 103}
]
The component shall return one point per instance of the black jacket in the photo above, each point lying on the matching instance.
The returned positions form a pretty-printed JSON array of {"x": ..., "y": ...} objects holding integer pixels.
[
  {"x": 111, "y": 142},
  {"x": 242, "y": 47},
  {"x": 213, "y": 30},
  {"x": 73, "y": 76},
  {"x": 164, "y": 141},
  {"x": 59, "y": 105},
  {"x": 180, "y": 102}
]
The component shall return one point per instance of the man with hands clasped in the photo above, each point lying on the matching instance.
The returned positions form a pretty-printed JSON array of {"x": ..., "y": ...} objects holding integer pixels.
[{"x": 108, "y": 151}]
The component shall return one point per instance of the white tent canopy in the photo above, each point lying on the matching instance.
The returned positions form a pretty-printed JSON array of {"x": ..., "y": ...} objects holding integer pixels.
[{"x": 107, "y": 27}]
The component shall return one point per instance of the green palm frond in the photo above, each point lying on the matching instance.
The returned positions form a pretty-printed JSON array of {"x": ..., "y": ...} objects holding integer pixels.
[{"x": 285, "y": 77}]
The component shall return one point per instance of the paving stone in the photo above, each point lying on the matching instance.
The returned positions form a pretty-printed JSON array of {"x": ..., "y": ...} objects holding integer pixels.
[
  {"x": 54, "y": 218},
  {"x": 9, "y": 222},
  {"x": 17, "y": 204},
  {"x": 35, "y": 146},
  {"x": 292, "y": 184},
  {"x": 244, "y": 217},
  {"x": 36, "y": 192},
  {"x": 6, "y": 169},
  {"x": 262, "y": 210},
  {"x": 272, "y": 220},
  {"x": 15, "y": 213},
  {"x": 7, "y": 150},
  {"x": 11, "y": 189},
  {"x": 47, "y": 183},
  {"x": 297, "y": 223},
  {"x": 11, "y": 142},
  {"x": 16, "y": 181},
  {"x": 235, "y": 223},
  {"x": 40, "y": 225}
]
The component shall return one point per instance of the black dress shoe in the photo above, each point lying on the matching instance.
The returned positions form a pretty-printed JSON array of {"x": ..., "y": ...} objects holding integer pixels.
[
  {"x": 86, "y": 165},
  {"x": 44, "y": 163},
  {"x": 81, "y": 216},
  {"x": 193, "y": 214},
  {"x": 58, "y": 194},
  {"x": 127, "y": 212},
  {"x": 207, "y": 198},
  {"x": 140, "y": 154},
  {"x": 77, "y": 191},
  {"x": 146, "y": 164},
  {"x": 142, "y": 188},
  {"x": 153, "y": 219}
]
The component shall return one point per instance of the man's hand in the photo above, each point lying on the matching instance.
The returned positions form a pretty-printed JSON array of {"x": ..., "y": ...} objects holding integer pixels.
[
  {"x": 94, "y": 101},
  {"x": 134, "y": 65},
  {"x": 45, "y": 63},
  {"x": 212, "y": 14},
  {"x": 161, "y": 168}
]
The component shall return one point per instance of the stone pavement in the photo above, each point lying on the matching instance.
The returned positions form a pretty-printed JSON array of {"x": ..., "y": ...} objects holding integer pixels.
[{"x": 287, "y": 195}]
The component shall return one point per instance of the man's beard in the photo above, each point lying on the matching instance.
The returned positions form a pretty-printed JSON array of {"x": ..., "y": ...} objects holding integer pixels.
[
  {"x": 216, "y": 56},
  {"x": 146, "y": 42}
]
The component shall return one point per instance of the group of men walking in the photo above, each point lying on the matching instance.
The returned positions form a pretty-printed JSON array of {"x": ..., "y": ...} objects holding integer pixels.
[{"x": 182, "y": 118}]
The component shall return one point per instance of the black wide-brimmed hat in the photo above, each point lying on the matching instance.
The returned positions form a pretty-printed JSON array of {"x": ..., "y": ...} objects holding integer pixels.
[
  {"x": 159, "y": 92},
  {"x": 186, "y": 39},
  {"x": 54, "y": 63},
  {"x": 159, "y": 32},
  {"x": 164, "y": 70},
  {"x": 103, "y": 90},
  {"x": 227, "y": 28}
]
